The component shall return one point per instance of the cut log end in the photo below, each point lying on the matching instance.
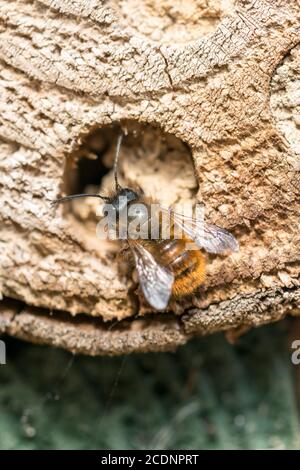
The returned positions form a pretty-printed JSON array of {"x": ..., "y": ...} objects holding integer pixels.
[{"x": 210, "y": 105}]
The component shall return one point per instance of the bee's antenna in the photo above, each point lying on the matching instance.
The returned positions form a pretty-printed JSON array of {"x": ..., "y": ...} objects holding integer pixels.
[
  {"x": 116, "y": 161},
  {"x": 115, "y": 171},
  {"x": 77, "y": 196}
]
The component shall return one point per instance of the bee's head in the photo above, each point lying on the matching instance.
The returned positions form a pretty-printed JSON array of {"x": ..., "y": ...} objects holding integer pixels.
[{"x": 123, "y": 198}]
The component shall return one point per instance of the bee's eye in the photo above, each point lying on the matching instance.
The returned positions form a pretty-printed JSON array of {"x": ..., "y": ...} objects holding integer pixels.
[{"x": 129, "y": 194}]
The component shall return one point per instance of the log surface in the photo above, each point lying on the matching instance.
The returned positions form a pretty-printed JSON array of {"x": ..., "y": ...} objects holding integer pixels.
[{"x": 213, "y": 79}]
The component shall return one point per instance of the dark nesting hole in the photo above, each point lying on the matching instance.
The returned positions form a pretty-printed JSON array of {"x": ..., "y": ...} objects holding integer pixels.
[
  {"x": 90, "y": 172},
  {"x": 159, "y": 163},
  {"x": 87, "y": 167}
]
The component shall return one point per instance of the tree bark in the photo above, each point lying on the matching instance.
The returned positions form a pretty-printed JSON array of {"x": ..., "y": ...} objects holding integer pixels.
[{"x": 206, "y": 79}]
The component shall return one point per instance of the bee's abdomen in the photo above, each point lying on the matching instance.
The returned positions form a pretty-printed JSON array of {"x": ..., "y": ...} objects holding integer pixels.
[{"x": 188, "y": 266}]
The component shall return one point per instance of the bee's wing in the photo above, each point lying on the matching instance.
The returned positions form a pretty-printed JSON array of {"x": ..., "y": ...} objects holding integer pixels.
[
  {"x": 155, "y": 280},
  {"x": 210, "y": 237}
]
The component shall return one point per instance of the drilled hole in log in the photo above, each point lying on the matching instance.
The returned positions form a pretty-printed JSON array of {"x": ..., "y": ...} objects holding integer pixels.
[
  {"x": 159, "y": 163},
  {"x": 173, "y": 21}
]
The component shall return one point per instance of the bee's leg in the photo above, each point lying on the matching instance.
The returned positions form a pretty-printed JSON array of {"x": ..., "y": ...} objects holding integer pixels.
[
  {"x": 175, "y": 306},
  {"x": 124, "y": 254},
  {"x": 125, "y": 261},
  {"x": 136, "y": 292},
  {"x": 126, "y": 268}
]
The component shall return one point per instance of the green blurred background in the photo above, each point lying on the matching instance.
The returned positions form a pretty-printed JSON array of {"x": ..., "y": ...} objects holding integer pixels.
[{"x": 209, "y": 394}]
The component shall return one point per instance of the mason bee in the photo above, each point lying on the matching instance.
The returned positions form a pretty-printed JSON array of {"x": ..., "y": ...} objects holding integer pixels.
[{"x": 166, "y": 266}]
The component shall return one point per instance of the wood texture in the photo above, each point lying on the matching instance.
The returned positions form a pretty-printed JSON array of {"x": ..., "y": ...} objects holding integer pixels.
[{"x": 202, "y": 77}]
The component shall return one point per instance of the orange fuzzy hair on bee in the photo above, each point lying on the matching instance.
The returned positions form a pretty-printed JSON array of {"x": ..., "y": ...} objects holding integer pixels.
[
  {"x": 187, "y": 265},
  {"x": 192, "y": 276}
]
